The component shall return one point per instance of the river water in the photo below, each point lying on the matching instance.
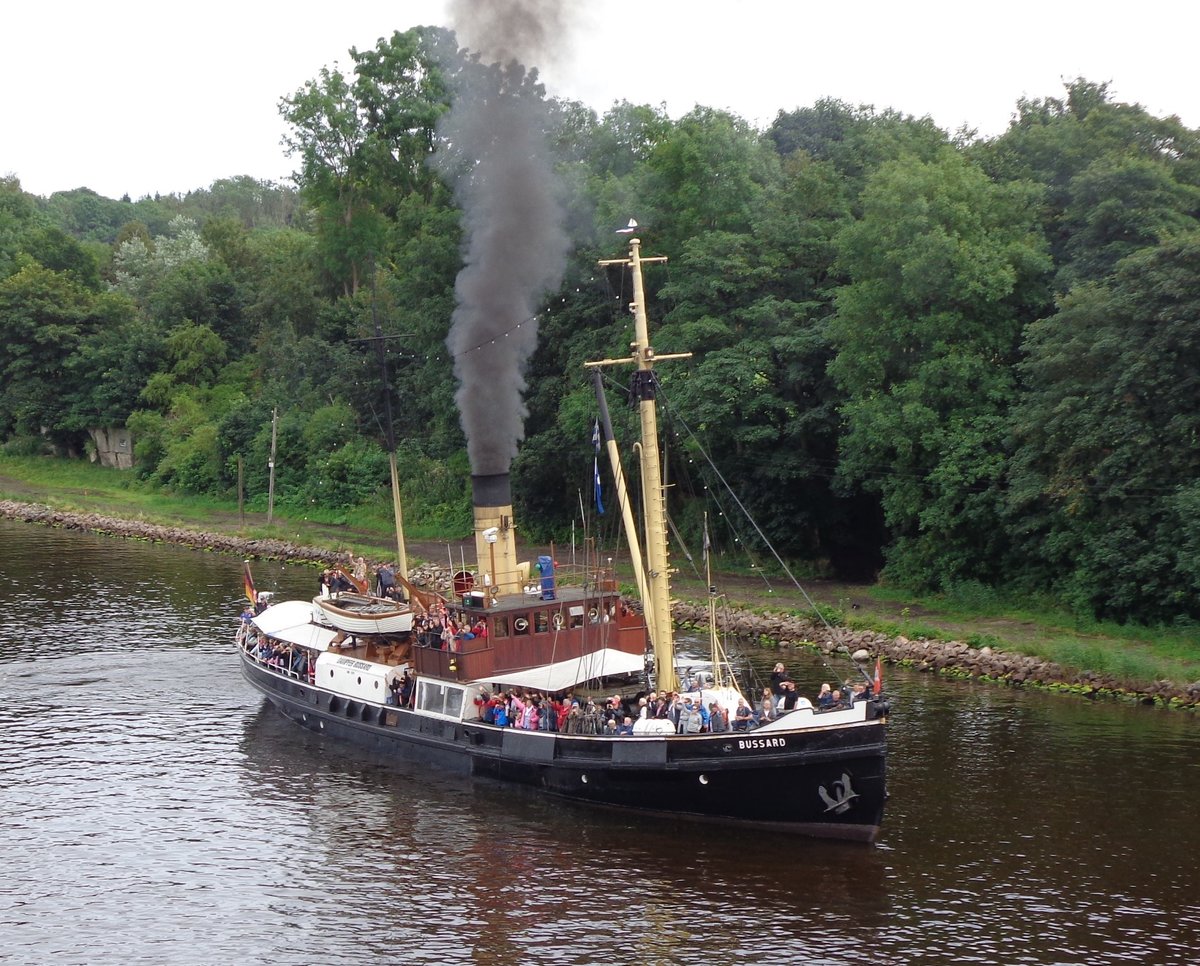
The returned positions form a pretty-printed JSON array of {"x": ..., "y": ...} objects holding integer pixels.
[{"x": 155, "y": 811}]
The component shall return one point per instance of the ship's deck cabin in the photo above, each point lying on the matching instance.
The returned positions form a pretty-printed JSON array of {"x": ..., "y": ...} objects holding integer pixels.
[{"x": 544, "y": 624}]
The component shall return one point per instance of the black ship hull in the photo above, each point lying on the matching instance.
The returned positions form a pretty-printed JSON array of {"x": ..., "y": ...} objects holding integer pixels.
[{"x": 827, "y": 782}]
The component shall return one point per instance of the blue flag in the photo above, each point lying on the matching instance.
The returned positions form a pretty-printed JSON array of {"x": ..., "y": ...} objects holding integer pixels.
[{"x": 596, "y": 466}]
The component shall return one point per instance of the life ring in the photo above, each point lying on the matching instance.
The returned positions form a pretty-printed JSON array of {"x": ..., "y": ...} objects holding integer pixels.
[
  {"x": 521, "y": 624},
  {"x": 558, "y": 622},
  {"x": 593, "y": 614}
]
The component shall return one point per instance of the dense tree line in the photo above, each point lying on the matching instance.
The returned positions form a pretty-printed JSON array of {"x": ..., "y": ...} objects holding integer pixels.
[{"x": 970, "y": 362}]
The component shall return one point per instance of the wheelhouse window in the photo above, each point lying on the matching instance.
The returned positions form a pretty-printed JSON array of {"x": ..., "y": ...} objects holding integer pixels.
[{"x": 436, "y": 697}]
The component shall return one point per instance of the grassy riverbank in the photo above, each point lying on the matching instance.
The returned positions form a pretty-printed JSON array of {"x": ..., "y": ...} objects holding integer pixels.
[
  {"x": 84, "y": 487},
  {"x": 975, "y": 616}
]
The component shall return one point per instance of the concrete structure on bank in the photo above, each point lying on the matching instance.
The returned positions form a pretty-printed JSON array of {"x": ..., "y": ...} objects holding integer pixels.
[{"x": 114, "y": 447}]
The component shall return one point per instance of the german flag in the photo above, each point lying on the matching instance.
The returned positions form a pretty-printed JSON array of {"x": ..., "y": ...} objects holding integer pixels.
[{"x": 248, "y": 582}]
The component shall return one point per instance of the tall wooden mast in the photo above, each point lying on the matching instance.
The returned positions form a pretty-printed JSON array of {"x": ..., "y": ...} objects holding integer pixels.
[{"x": 658, "y": 578}]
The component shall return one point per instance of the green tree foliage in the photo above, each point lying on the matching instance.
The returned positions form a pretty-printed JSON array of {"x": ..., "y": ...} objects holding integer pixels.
[
  {"x": 945, "y": 269},
  {"x": 86, "y": 215},
  {"x": 178, "y": 448},
  {"x": 626, "y": 138},
  {"x": 1115, "y": 177},
  {"x": 281, "y": 285},
  {"x": 196, "y": 353},
  {"x": 855, "y": 140},
  {"x": 201, "y": 292},
  {"x": 709, "y": 173},
  {"x": 1103, "y": 478},
  {"x": 606, "y": 167},
  {"x": 400, "y": 93},
  {"x": 1120, "y": 205},
  {"x": 19, "y": 217},
  {"x": 330, "y": 140},
  {"x": 110, "y": 368},
  {"x": 245, "y": 201},
  {"x": 140, "y": 265},
  {"x": 437, "y": 497},
  {"x": 54, "y": 249},
  {"x": 349, "y": 475},
  {"x": 362, "y": 143},
  {"x": 44, "y": 317}
]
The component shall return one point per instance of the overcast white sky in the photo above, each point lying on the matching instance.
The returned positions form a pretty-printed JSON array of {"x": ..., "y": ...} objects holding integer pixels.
[{"x": 135, "y": 97}]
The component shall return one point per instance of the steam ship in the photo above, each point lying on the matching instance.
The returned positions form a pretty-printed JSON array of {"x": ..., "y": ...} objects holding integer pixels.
[{"x": 538, "y": 627}]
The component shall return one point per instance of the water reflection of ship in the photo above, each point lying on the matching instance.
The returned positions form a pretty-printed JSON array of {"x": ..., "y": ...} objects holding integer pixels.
[{"x": 483, "y": 854}]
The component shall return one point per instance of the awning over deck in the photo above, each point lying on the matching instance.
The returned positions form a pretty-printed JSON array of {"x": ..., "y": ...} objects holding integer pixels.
[
  {"x": 291, "y": 621},
  {"x": 565, "y": 674}
]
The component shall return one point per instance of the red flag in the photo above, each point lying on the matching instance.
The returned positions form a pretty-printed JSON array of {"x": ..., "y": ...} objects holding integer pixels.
[
  {"x": 878, "y": 684},
  {"x": 248, "y": 583}
]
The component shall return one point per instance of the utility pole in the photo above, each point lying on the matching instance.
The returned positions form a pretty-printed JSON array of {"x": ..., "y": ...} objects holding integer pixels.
[{"x": 271, "y": 467}]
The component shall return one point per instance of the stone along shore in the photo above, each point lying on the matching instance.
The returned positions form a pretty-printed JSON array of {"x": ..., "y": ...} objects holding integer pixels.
[{"x": 769, "y": 629}]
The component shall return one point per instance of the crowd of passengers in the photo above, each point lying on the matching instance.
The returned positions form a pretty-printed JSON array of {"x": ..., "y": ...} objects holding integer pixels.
[
  {"x": 276, "y": 655},
  {"x": 782, "y": 692},
  {"x": 687, "y": 712},
  {"x": 335, "y": 580},
  {"x": 446, "y": 629},
  {"x": 280, "y": 657},
  {"x": 571, "y": 714}
]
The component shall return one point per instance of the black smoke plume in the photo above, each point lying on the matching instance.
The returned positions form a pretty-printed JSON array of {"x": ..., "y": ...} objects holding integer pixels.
[{"x": 495, "y": 155}]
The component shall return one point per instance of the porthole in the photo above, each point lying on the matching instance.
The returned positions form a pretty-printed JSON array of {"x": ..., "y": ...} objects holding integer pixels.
[
  {"x": 703, "y": 779},
  {"x": 583, "y": 778},
  {"x": 360, "y": 682}
]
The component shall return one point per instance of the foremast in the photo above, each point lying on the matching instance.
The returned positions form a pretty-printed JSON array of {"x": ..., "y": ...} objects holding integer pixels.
[{"x": 656, "y": 582}]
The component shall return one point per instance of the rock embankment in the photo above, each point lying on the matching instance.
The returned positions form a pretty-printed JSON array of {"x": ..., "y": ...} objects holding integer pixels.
[
  {"x": 779, "y": 630},
  {"x": 432, "y": 576},
  {"x": 156, "y": 533},
  {"x": 948, "y": 657}
]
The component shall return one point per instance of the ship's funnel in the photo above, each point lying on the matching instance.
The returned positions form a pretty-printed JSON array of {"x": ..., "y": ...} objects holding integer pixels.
[{"x": 495, "y": 534}]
